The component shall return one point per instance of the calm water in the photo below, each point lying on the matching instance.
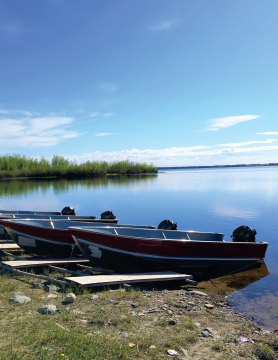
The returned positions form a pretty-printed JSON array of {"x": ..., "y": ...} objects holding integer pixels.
[{"x": 217, "y": 200}]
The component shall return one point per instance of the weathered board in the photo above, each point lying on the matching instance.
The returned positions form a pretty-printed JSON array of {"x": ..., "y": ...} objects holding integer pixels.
[
  {"x": 31, "y": 263},
  {"x": 102, "y": 280},
  {"x": 8, "y": 246}
]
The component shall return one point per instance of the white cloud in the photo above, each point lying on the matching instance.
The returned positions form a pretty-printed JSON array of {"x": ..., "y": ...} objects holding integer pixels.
[
  {"x": 94, "y": 114},
  {"x": 268, "y": 133},
  {"x": 269, "y": 141},
  {"x": 20, "y": 112},
  {"x": 104, "y": 134},
  {"x": 182, "y": 156},
  {"x": 79, "y": 111},
  {"x": 220, "y": 123},
  {"x": 162, "y": 25},
  {"x": 35, "y": 132},
  {"x": 97, "y": 113},
  {"x": 107, "y": 87}
]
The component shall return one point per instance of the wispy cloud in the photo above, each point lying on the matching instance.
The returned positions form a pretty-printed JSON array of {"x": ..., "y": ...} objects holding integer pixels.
[
  {"x": 15, "y": 112},
  {"x": 220, "y": 123},
  {"x": 162, "y": 25},
  {"x": 97, "y": 113},
  {"x": 107, "y": 87},
  {"x": 268, "y": 133},
  {"x": 269, "y": 141},
  {"x": 94, "y": 114},
  {"x": 79, "y": 111},
  {"x": 34, "y": 131},
  {"x": 104, "y": 134}
]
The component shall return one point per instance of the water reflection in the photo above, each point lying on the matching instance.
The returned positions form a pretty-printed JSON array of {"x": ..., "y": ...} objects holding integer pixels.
[{"x": 35, "y": 186}]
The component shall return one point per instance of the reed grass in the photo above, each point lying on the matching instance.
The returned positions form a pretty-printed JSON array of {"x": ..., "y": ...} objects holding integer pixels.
[{"x": 18, "y": 166}]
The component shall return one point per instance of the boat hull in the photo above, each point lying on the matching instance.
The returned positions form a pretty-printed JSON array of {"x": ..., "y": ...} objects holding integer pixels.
[
  {"x": 34, "y": 237},
  {"x": 126, "y": 254}
]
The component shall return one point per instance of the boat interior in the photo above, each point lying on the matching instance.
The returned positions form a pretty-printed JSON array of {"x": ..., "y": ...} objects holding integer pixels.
[
  {"x": 64, "y": 224},
  {"x": 159, "y": 234},
  {"x": 48, "y": 217},
  {"x": 13, "y": 212}
]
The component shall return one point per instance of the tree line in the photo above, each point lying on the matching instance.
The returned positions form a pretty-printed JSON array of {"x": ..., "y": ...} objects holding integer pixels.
[{"x": 16, "y": 166}]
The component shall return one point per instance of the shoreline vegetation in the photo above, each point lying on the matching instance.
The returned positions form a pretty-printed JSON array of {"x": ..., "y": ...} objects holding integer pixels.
[{"x": 18, "y": 166}]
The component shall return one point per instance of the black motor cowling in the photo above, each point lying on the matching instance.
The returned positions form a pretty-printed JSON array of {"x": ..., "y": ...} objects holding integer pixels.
[
  {"x": 244, "y": 234},
  {"x": 67, "y": 210},
  {"x": 107, "y": 215},
  {"x": 167, "y": 225}
]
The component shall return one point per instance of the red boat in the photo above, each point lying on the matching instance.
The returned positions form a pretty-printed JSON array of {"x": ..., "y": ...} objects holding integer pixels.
[
  {"x": 135, "y": 250},
  {"x": 50, "y": 237}
]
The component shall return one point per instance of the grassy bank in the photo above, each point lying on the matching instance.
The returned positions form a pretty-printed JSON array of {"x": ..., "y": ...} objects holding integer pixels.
[
  {"x": 99, "y": 328},
  {"x": 17, "y": 166}
]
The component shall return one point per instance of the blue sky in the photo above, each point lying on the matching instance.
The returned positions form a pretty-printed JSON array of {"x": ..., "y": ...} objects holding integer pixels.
[{"x": 169, "y": 82}]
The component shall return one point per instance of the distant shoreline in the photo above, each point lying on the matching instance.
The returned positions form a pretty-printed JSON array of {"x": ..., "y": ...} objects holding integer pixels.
[{"x": 213, "y": 166}]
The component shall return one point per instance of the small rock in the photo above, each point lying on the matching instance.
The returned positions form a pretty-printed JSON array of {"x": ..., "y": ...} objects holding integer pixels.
[
  {"x": 197, "y": 325},
  {"x": 94, "y": 297},
  {"x": 134, "y": 305},
  {"x": 50, "y": 288},
  {"x": 20, "y": 299},
  {"x": 52, "y": 296},
  {"x": 127, "y": 286},
  {"x": 38, "y": 286},
  {"x": 58, "y": 311},
  {"x": 101, "y": 309},
  {"x": 205, "y": 333},
  {"x": 124, "y": 335},
  {"x": 133, "y": 313},
  {"x": 89, "y": 334},
  {"x": 47, "y": 310},
  {"x": 172, "y": 322},
  {"x": 199, "y": 293},
  {"x": 18, "y": 293},
  {"x": 113, "y": 302},
  {"x": 83, "y": 321},
  {"x": 169, "y": 312},
  {"x": 190, "y": 303},
  {"x": 70, "y": 298},
  {"x": 208, "y": 330},
  {"x": 209, "y": 306}
]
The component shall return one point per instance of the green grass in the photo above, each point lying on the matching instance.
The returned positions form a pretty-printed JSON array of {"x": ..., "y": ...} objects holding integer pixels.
[{"x": 17, "y": 166}]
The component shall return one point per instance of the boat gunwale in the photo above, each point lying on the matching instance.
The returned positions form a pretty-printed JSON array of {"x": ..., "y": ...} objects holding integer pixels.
[{"x": 172, "y": 240}]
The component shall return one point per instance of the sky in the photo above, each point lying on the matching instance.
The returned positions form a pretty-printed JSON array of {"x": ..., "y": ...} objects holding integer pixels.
[{"x": 167, "y": 82}]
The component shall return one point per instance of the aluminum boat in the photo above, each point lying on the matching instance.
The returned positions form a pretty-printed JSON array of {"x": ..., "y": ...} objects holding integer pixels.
[
  {"x": 136, "y": 250},
  {"x": 51, "y": 237}
]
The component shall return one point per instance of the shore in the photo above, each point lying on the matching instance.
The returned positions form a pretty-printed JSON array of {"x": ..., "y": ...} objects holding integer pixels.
[{"x": 115, "y": 323}]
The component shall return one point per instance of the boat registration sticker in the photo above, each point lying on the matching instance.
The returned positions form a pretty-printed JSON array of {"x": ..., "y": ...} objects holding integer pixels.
[
  {"x": 25, "y": 241},
  {"x": 95, "y": 251}
]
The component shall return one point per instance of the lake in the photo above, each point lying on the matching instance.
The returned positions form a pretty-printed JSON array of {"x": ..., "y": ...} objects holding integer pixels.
[{"x": 213, "y": 200}]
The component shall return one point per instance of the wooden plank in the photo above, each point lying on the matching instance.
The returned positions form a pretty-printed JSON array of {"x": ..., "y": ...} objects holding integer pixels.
[
  {"x": 9, "y": 247},
  {"x": 102, "y": 280},
  {"x": 32, "y": 263},
  {"x": 8, "y": 268}
]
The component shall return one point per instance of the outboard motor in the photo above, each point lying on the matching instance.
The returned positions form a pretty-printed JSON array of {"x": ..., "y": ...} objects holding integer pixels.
[
  {"x": 107, "y": 215},
  {"x": 244, "y": 234},
  {"x": 67, "y": 210},
  {"x": 167, "y": 225}
]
